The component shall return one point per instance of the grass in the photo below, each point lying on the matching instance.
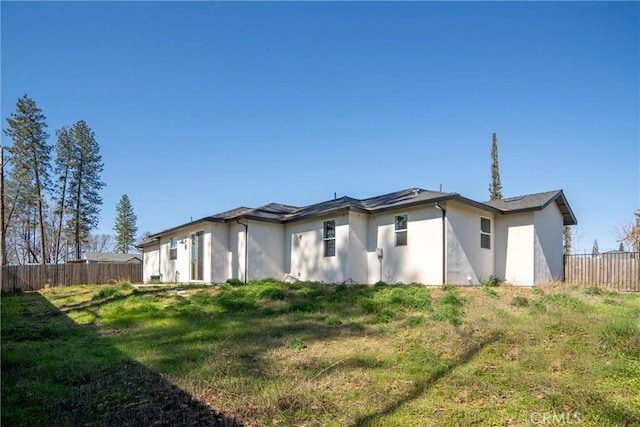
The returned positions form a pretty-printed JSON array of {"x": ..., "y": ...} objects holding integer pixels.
[{"x": 270, "y": 353}]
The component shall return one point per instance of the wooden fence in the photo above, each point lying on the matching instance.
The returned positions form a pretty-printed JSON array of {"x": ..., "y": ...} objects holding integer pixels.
[
  {"x": 35, "y": 277},
  {"x": 617, "y": 271}
]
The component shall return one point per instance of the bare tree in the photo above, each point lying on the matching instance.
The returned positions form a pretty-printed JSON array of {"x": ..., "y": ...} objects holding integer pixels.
[{"x": 629, "y": 233}]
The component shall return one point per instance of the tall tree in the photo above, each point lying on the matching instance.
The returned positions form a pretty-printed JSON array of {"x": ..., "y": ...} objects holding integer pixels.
[
  {"x": 495, "y": 187},
  {"x": 125, "y": 227},
  {"x": 595, "y": 250},
  {"x": 566, "y": 234},
  {"x": 64, "y": 155},
  {"x": 83, "y": 184},
  {"x": 621, "y": 247},
  {"x": 31, "y": 164}
]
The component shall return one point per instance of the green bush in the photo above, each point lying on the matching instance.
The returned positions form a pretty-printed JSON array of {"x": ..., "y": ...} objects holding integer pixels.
[
  {"x": 235, "y": 282},
  {"x": 491, "y": 281}
]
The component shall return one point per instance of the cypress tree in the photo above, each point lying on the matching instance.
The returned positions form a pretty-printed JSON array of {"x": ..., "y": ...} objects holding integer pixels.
[{"x": 495, "y": 187}]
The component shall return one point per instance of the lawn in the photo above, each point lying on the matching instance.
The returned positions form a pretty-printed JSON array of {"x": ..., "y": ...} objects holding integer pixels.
[{"x": 272, "y": 353}]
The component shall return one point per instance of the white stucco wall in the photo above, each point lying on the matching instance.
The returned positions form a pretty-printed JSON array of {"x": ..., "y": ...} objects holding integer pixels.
[
  {"x": 548, "y": 245},
  {"x": 304, "y": 250},
  {"x": 357, "y": 268},
  {"x": 237, "y": 241},
  {"x": 467, "y": 262},
  {"x": 420, "y": 260},
  {"x": 220, "y": 256},
  {"x": 515, "y": 248},
  {"x": 150, "y": 262},
  {"x": 266, "y": 250}
]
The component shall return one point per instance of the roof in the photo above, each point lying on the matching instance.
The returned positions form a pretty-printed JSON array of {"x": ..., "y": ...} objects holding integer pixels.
[
  {"x": 111, "y": 257},
  {"x": 533, "y": 202},
  {"x": 280, "y": 213}
]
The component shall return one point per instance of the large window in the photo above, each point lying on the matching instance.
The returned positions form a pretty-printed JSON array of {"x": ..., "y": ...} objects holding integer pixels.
[
  {"x": 173, "y": 248},
  {"x": 401, "y": 230},
  {"x": 485, "y": 233},
  {"x": 329, "y": 237}
]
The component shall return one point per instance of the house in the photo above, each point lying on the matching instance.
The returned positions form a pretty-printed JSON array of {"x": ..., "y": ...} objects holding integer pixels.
[
  {"x": 105, "y": 257},
  {"x": 414, "y": 235}
]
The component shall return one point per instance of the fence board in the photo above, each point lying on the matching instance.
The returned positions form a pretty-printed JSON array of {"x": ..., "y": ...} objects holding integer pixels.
[
  {"x": 36, "y": 277},
  {"x": 618, "y": 271}
]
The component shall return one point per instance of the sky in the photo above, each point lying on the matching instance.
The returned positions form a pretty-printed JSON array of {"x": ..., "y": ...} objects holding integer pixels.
[{"x": 200, "y": 107}]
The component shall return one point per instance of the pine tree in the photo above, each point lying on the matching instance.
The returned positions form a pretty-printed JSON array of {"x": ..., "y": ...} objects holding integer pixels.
[
  {"x": 621, "y": 247},
  {"x": 595, "y": 250},
  {"x": 566, "y": 231},
  {"x": 30, "y": 175},
  {"x": 82, "y": 206},
  {"x": 64, "y": 147},
  {"x": 495, "y": 187},
  {"x": 125, "y": 226}
]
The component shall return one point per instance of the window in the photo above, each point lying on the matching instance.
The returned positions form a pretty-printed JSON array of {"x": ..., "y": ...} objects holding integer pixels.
[
  {"x": 329, "y": 236},
  {"x": 485, "y": 233},
  {"x": 401, "y": 230},
  {"x": 173, "y": 248}
]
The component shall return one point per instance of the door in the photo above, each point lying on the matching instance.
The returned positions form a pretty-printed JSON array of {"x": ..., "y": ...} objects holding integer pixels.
[{"x": 197, "y": 255}]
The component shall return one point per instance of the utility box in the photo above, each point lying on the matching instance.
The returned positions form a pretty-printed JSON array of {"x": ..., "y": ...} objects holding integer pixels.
[{"x": 379, "y": 253}]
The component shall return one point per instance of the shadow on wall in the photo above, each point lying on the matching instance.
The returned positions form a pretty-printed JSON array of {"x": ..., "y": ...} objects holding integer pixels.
[{"x": 88, "y": 381}]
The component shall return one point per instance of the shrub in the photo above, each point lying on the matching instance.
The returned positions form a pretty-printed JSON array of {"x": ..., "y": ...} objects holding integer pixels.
[
  {"x": 380, "y": 283},
  {"x": 273, "y": 293},
  {"x": 235, "y": 282},
  {"x": 491, "y": 281}
]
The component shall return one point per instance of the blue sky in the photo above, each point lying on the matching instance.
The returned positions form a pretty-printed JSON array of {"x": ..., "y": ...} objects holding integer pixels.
[{"x": 200, "y": 107}]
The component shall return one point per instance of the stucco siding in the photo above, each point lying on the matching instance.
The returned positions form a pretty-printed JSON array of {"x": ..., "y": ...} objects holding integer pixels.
[
  {"x": 220, "y": 256},
  {"x": 304, "y": 249},
  {"x": 266, "y": 250},
  {"x": 419, "y": 261},
  {"x": 357, "y": 247},
  {"x": 150, "y": 262},
  {"x": 237, "y": 242},
  {"x": 467, "y": 262},
  {"x": 514, "y": 248},
  {"x": 548, "y": 253}
]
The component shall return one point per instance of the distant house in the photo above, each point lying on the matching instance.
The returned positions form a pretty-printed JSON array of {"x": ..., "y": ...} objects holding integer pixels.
[
  {"x": 413, "y": 235},
  {"x": 105, "y": 257}
]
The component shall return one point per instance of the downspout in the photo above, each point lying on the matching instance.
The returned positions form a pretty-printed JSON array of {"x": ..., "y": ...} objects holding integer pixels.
[
  {"x": 246, "y": 248},
  {"x": 444, "y": 242}
]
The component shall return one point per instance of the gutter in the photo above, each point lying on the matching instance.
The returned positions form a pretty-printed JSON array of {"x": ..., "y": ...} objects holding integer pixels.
[
  {"x": 444, "y": 242},
  {"x": 246, "y": 248}
]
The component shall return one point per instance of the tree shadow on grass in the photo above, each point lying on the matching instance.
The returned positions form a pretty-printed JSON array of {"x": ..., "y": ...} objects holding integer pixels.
[
  {"x": 55, "y": 372},
  {"x": 424, "y": 385}
]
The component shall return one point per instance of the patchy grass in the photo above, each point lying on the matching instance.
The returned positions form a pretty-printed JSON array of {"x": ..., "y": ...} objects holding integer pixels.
[{"x": 270, "y": 353}]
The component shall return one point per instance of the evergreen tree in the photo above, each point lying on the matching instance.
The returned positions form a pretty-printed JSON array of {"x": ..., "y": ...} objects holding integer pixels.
[
  {"x": 64, "y": 148},
  {"x": 30, "y": 174},
  {"x": 495, "y": 187},
  {"x": 566, "y": 231},
  {"x": 83, "y": 184},
  {"x": 125, "y": 227},
  {"x": 621, "y": 247},
  {"x": 595, "y": 250}
]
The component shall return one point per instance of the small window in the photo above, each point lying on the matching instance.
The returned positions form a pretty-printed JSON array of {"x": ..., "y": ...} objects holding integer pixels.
[
  {"x": 401, "y": 230},
  {"x": 329, "y": 237},
  {"x": 173, "y": 248},
  {"x": 485, "y": 233}
]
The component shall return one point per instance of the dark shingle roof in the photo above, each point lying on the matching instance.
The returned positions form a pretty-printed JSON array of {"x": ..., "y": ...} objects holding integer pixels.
[
  {"x": 277, "y": 212},
  {"x": 533, "y": 202}
]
